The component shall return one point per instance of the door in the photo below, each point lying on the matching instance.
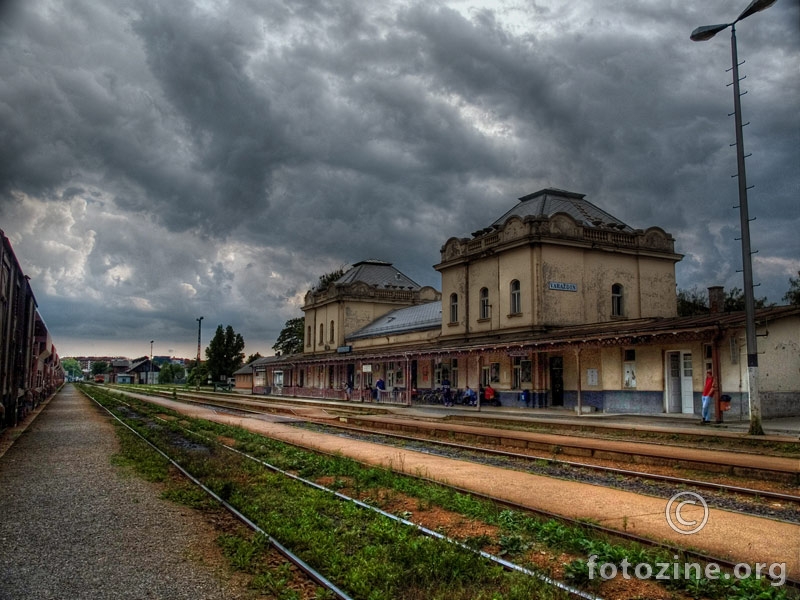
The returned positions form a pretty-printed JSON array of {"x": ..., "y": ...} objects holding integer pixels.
[
  {"x": 674, "y": 402},
  {"x": 687, "y": 394},
  {"x": 557, "y": 380}
]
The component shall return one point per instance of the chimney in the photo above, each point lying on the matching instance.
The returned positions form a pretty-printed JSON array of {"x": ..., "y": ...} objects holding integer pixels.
[{"x": 716, "y": 299}]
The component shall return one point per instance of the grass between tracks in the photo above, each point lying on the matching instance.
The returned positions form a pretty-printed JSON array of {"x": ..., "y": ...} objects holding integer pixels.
[{"x": 366, "y": 554}]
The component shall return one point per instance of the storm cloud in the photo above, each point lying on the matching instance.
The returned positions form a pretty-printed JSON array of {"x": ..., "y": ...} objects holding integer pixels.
[{"x": 165, "y": 160}]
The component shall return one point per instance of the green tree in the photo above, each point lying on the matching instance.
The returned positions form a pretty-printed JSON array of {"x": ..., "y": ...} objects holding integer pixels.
[
  {"x": 793, "y": 295},
  {"x": 328, "y": 278},
  {"x": 71, "y": 367},
  {"x": 290, "y": 339},
  {"x": 692, "y": 302},
  {"x": 252, "y": 358},
  {"x": 100, "y": 367},
  {"x": 734, "y": 300},
  {"x": 198, "y": 375},
  {"x": 225, "y": 353},
  {"x": 171, "y": 373}
]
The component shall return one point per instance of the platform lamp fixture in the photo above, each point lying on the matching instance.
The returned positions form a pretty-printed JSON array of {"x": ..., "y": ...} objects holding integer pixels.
[
  {"x": 702, "y": 34},
  {"x": 150, "y": 369}
]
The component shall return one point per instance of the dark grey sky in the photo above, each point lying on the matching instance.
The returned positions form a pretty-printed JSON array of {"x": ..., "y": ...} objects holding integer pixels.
[{"x": 167, "y": 159}]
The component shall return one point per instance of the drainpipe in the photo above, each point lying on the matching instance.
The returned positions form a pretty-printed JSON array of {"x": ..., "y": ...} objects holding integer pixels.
[
  {"x": 466, "y": 300},
  {"x": 578, "y": 361}
]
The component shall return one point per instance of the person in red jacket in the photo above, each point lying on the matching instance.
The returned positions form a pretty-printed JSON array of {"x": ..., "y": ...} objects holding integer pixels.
[
  {"x": 709, "y": 387},
  {"x": 488, "y": 394}
]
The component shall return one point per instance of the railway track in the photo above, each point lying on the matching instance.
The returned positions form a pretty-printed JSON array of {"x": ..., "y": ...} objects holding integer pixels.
[
  {"x": 769, "y": 504},
  {"x": 694, "y": 555},
  {"x": 567, "y": 591},
  {"x": 294, "y": 559},
  {"x": 786, "y": 506}
]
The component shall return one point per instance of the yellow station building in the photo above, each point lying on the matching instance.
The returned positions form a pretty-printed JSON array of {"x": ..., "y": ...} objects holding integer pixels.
[{"x": 555, "y": 304}]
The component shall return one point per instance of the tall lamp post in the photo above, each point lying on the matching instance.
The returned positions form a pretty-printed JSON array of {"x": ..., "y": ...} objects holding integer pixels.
[
  {"x": 150, "y": 370},
  {"x": 702, "y": 34},
  {"x": 199, "y": 330}
]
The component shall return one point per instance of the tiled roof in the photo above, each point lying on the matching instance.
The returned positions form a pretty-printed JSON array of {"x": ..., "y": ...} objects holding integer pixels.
[
  {"x": 632, "y": 331},
  {"x": 403, "y": 320},
  {"x": 377, "y": 273},
  {"x": 248, "y": 368},
  {"x": 546, "y": 203}
]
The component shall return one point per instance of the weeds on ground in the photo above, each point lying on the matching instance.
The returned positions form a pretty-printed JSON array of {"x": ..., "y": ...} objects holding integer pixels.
[{"x": 339, "y": 538}]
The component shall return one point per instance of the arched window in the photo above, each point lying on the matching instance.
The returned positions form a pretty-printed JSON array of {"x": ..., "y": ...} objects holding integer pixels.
[
  {"x": 454, "y": 308},
  {"x": 516, "y": 301},
  {"x": 617, "y": 305},
  {"x": 332, "y": 332},
  {"x": 485, "y": 309},
  {"x": 321, "y": 334}
]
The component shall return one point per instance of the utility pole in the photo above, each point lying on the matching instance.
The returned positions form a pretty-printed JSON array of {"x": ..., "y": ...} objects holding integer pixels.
[{"x": 702, "y": 34}]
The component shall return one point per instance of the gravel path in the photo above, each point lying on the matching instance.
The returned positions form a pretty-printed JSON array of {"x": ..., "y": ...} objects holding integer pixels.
[{"x": 73, "y": 526}]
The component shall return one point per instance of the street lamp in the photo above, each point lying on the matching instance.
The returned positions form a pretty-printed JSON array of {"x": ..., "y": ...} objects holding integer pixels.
[
  {"x": 150, "y": 370},
  {"x": 702, "y": 34},
  {"x": 199, "y": 330}
]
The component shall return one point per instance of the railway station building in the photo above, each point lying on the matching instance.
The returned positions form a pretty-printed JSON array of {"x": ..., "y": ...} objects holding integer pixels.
[{"x": 554, "y": 304}]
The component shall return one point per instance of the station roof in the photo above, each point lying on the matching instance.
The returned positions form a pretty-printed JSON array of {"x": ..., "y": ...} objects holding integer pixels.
[
  {"x": 377, "y": 273},
  {"x": 403, "y": 320},
  {"x": 548, "y": 202}
]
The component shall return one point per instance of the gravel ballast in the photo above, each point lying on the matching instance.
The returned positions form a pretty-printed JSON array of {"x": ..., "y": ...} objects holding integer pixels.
[{"x": 72, "y": 525}]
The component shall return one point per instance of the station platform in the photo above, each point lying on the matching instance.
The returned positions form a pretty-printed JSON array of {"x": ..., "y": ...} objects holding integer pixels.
[
  {"x": 781, "y": 427},
  {"x": 76, "y": 526},
  {"x": 787, "y": 428}
]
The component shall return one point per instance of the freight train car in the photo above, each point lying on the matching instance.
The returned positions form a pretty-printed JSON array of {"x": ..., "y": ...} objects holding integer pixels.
[{"x": 29, "y": 366}]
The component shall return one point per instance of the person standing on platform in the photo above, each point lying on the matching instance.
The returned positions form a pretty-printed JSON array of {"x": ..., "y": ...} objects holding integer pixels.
[
  {"x": 447, "y": 395},
  {"x": 709, "y": 389}
]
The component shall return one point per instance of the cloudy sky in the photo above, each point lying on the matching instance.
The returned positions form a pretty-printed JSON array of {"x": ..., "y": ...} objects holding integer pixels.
[{"x": 162, "y": 160}]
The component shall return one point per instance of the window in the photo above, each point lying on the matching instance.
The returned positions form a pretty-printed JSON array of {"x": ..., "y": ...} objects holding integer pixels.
[
  {"x": 485, "y": 309},
  {"x": 390, "y": 375},
  {"x": 332, "y": 332},
  {"x": 454, "y": 308},
  {"x": 321, "y": 334},
  {"x": 516, "y": 302},
  {"x": 616, "y": 300},
  {"x": 308, "y": 336}
]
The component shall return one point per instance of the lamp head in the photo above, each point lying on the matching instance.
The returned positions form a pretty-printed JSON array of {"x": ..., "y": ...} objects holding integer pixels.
[
  {"x": 706, "y": 32},
  {"x": 754, "y": 7}
]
